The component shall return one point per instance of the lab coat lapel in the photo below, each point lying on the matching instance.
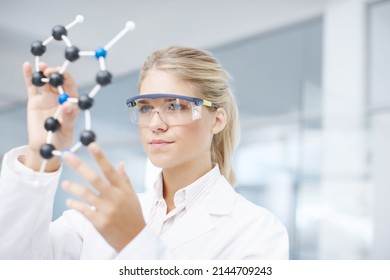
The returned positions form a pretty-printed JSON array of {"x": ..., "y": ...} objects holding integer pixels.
[
  {"x": 198, "y": 221},
  {"x": 194, "y": 223}
]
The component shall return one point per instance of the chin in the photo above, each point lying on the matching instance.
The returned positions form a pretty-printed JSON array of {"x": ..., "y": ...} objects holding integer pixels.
[
  {"x": 164, "y": 162},
  {"x": 161, "y": 161}
]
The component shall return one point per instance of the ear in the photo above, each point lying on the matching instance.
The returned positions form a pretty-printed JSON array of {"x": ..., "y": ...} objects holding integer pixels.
[{"x": 220, "y": 121}]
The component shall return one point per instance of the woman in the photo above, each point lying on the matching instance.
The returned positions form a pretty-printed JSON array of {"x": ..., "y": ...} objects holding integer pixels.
[{"x": 188, "y": 124}]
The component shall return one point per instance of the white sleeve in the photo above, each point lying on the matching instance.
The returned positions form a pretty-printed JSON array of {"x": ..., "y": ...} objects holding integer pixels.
[
  {"x": 26, "y": 199},
  {"x": 145, "y": 246},
  {"x": 271, "y": 242}
]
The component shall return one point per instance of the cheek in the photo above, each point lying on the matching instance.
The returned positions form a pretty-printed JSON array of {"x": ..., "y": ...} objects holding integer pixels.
[
  {"x": 142, "y": 132},
  {"x": 197, "y": 133}
]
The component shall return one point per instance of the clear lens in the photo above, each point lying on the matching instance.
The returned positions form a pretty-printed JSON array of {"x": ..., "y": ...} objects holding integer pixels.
[{"x": 172, "y": 111}]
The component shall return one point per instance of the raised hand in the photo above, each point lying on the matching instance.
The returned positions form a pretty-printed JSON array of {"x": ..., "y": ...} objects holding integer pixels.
[
  {"x": 113, "y": 208},
  {"x": 43, "y": 105}
]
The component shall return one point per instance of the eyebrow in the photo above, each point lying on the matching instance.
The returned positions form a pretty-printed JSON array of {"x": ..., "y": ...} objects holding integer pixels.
[
  {"x": 147, "y": 100},
  {"x": 142, "y": 101}
]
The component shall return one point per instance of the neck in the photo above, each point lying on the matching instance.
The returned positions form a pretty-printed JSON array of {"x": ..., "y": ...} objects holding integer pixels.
[{"x": 181, "y": 176}]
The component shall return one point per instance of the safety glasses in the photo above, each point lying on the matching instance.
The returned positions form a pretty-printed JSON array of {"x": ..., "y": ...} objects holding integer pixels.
[{"x": 172, "y": 109}]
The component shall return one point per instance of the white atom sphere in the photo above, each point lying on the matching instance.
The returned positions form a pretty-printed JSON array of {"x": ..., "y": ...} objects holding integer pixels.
[{"x": 130, "y": 25}]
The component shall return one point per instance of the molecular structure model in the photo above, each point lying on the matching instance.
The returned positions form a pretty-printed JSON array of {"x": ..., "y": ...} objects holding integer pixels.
[{"x": 56, "y": 79}]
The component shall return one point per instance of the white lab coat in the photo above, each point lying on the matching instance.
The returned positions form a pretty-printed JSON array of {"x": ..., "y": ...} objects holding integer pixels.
[{"x": 223, "y": 226}]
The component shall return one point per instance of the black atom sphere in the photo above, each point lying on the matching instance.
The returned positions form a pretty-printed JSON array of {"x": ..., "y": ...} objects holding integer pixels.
[
  {"x": 103, "y": 77},
  {"x": 52, "y": 124},
  {"x": 72, "y": 53},
  {"x": 37, "y": 48},
  {"x": 37, "y": 79},
  {"x": 46, "y": 151},
  {"x": 85, "y": 102},
  {"x": 56, "y": 79},
  {"x": 58, "y": 31},
  {"x": 87, "y": 137}
]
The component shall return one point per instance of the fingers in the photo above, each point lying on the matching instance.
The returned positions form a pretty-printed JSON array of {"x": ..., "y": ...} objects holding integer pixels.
[
  {"x": 68, "y": 114},
  {"x": 85, "y": 171},
  {"x": 47, "y": 72},
  {"x": 116, "y": 178},
  {"x": 81, "y": 191},
  {"x": 87, "y": 211},
  {"x": 105, "y": 165},
  {"x": 121, "y": 170},
  {"x": 70, "y": 85},
  {"x": 27, "y": 73}
]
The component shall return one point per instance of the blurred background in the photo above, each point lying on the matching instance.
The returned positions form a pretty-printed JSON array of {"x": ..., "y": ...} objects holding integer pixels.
[{"x": 311, "y": 78}]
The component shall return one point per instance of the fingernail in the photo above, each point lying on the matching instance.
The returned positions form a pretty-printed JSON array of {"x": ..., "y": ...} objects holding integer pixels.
[
  {"x": 69, "y": 109},
  {"x": 67, "y": 157},
  {"x": 65, "y": 184},
  {"x": 95, "y": 149},
  {"x": 68, "y": 202},
  {"x": 64, "y": 152},
  {"x": 122, "y": 167}
]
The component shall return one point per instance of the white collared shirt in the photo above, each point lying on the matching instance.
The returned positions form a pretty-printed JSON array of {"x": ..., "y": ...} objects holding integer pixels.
[{"x": 161, "y": 221}]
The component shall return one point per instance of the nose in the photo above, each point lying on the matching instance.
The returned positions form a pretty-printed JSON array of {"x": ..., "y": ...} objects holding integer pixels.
[{"x": 156, "y": 122}]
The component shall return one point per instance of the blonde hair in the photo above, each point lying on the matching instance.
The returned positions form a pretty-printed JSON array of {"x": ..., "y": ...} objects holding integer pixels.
[{"x": 204, "y": 72}]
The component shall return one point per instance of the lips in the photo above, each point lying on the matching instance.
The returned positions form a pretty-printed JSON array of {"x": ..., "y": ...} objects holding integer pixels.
[{"x": 160, "y": 142}]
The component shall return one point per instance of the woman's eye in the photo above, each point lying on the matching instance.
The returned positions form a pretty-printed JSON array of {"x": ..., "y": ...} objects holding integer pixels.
[
  {"x": 145, "y": 109},
  {"x": 176, "y": 107}
]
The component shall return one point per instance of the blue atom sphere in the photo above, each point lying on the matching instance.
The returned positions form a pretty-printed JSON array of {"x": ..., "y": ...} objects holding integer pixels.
[
  {"x": 100, "y": 52},
  {"x": 62, "y": 98}
]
